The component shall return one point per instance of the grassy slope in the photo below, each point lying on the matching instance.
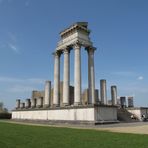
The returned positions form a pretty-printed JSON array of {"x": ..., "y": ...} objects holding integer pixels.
[{"x": 24, "y": 136}]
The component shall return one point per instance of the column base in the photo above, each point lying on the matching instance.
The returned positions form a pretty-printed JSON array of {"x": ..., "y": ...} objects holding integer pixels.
[
  {"x": 39, "y": 106},
  {"x": 77, "y": 103},
  {"x": 55, "y": 105},
  {"x": 65, "y": 104},
  {"x": 33, "y": 107},
  {"x": 46, "y": 106}
]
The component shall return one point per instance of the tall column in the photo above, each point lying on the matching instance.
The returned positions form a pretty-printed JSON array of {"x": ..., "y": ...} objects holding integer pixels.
[
  {"x": 18, "y": 103},
  {"x": 77, "y": 74},
  {"x": 22, "y": 105},
  {"x": 33, "y": 103},
  {"x": 47, "y": 99},
  {"x": 27, "y": 103},
  {"x": 56, "y": 93},
  {"x": 66, "y": 77},
  {"x": 114, "y": 95},
  {"x": 91, "y": 76},
  {"x": 103, "y": 92},
  {"x": 39, "y": 102}
]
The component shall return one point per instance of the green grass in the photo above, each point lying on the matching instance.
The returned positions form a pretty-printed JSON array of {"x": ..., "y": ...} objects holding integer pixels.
[{"x": 25, "y": 136}]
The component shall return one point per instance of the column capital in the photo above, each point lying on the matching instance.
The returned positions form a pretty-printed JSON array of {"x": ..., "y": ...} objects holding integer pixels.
[
  {"x": 66, "y": 50},
  {"x": 57, "y": 53},
  {"x": 77, "y": 45},
  {"x": 90, "y": 49}
]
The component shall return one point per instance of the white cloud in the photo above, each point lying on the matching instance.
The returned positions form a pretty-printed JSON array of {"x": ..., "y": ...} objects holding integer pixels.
[
  {"x": 10, "y": 42},
  {"x": 140, "y": 78},
  {"x": 13, "y": 48}
]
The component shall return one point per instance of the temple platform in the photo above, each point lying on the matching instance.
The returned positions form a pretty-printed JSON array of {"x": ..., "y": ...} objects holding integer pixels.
[{"x": 93, "y": 114}]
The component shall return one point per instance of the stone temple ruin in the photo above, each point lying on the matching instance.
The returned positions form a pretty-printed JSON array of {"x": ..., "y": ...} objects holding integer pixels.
[{"x": 65, "y": 103}]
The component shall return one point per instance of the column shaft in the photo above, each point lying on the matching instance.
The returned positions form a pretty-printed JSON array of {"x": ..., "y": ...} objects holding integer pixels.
[
  {"x": 77, "y": 74},
  {"x": 18, "y": 103},
  {"x": 66, "y": 78},
  {"x": 47, "y": 98},
  {"x": 114, "y": 95},
  {"x": 91, "y": 76},
  {"x": 56, "y": 93},
  {"x": 27, "y": 103},
  {"x": 103, "y": 92}
]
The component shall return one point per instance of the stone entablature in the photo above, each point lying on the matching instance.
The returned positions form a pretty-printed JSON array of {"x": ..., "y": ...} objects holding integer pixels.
[{"x": 78, "y": 32}]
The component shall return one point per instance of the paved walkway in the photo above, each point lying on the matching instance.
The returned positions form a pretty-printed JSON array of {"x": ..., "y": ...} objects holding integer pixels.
[{"x": 136, "y": 127}]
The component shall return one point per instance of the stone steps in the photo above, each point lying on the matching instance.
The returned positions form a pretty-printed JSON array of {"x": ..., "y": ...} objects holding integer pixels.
[{"x": 124, "y": 116}]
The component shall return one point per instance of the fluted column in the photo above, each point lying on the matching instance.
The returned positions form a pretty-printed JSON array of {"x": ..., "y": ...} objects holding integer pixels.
[
  {"x": 56, "y": 93},
  {"x": 103, "y": 92},
  {"x": 47, "y": 99},
  {"x": 66, "y": 77},
  {"x": 39, "y": 102},
  {"x": 91, "y": 75},
  {"x": 33, "y": 102},
  {"x": 77, "y": 74},
  {"x": 22, "y": 105},
  {"x": 18, "y": 103},
  {"x": 27, "y": 103},
  {"x": 114, "y": 95}
]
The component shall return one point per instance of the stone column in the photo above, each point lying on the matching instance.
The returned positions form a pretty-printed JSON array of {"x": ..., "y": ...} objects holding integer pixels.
[
  {"x": 91, "y": 75},
  {"x": 22, "y": 105},
  {"x": 103, "y": 92},
  {"x": 77, "y": 74},
  {"x": 27, "y": 103},
  {"x": 47, "y": 98},
  {"x": 39, "y": 102},
  {"x": 66, "y": 78},
  {"x": 56, "y": 93},
  {"x": 33, "y": 102},
  {"x": 114, "y": 95},
  {"x": 17, "y": 103}
]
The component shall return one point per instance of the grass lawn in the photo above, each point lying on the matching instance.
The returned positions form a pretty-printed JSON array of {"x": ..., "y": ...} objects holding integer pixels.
[{"x": 27, "y": 136}]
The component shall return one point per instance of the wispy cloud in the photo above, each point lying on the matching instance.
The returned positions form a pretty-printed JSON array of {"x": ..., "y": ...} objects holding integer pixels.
[
  {"x": 140, "y": 78},
  {"x": 13, "y": 42},
  {"x": 13, "y": 48},
  {"x": 10, "y": 42},
  {"x": 128, "y": 74}
]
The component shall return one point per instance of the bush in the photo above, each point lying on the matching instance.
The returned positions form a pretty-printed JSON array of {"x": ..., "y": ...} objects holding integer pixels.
[{"x": 5, "y": 115}]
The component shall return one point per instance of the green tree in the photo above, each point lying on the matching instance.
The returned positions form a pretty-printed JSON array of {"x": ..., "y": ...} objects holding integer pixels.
[{"x": 1, "y": 105}]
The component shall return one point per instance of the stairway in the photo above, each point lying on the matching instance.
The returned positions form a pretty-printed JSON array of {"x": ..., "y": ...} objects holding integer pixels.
[{"x": 124, "y": 116}]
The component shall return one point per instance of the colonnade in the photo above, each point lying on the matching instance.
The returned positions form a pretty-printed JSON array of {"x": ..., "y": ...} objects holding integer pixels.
[
  {"x": 77, "y": 75},
  {"x": 46, "y": 101}
]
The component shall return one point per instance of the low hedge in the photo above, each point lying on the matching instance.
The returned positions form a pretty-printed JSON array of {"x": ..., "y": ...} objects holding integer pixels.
[{"x": 5, "y": 115}]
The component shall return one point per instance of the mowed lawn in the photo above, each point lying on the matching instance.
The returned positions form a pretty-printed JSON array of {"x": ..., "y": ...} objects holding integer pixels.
[{"x": 27, "y": 136}]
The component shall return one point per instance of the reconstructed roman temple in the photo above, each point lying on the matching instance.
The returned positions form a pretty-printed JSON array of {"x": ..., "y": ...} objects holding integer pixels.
[{"x": 65, "y": 103}]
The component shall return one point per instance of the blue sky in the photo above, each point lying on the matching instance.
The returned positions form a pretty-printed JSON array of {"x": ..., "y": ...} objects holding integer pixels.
[{"x": 29, "y": 32}]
